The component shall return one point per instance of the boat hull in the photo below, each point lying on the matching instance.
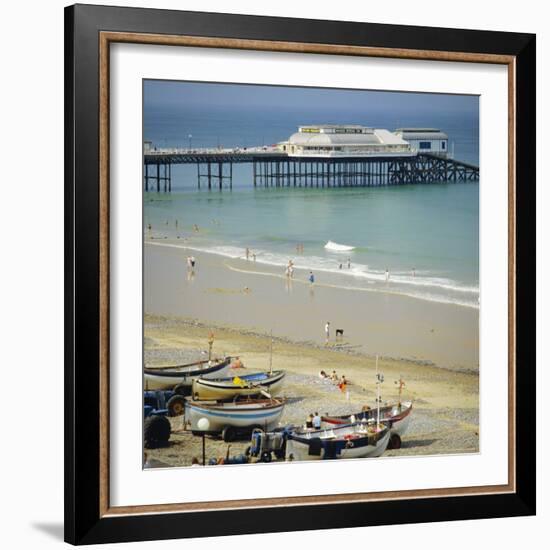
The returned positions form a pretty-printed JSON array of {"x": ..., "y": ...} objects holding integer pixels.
[
  {"x": 299, "y": 448},
  {"x": 397, "y": 418},
  {"x": 208, "y": 389},
  {"x": 239, "y": 416},
  {"x": 168, "y": 378}
]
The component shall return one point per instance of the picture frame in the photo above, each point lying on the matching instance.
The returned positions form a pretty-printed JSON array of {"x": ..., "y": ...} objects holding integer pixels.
[{"x": 89, "y": 33}]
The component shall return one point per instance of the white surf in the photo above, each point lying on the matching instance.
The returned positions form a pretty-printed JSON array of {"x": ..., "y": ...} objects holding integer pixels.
[{"x": 335, "y": 247}]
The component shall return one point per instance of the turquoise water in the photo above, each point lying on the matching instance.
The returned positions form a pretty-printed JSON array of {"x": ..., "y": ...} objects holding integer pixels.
[{"x": 431, "y": 229}]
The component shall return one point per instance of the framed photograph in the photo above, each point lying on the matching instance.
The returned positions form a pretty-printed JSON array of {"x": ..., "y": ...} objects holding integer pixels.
[{"x": 300, "y": 274}]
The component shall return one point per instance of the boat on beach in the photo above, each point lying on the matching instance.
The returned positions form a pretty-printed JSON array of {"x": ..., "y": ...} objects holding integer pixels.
[
  {"x": 162, "y": 378},
  {"x": 260, "y": 383},
  {"x": 231, "y": 417},
  {"x": 397, "y": 416},
  {"x": 358, "y": 440}
]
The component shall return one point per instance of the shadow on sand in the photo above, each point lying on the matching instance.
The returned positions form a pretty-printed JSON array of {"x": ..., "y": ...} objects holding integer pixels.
[{"x": 417, "y": 443}]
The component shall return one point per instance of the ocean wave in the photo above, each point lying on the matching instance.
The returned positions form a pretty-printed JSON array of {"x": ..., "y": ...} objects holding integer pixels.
[{"x": 335, "y": 247}]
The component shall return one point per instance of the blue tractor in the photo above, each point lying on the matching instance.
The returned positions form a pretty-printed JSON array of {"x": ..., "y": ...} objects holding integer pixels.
[
  {"x": 165, "y": 402},
  {"x": 156, "y": 406}
]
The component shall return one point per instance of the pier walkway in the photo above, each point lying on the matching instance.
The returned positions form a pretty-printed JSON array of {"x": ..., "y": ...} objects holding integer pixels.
[{"x": 274, "y": 168}]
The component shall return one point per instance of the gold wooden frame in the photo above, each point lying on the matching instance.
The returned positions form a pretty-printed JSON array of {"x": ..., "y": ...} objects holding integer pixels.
[{"x": 105, "y": 40}]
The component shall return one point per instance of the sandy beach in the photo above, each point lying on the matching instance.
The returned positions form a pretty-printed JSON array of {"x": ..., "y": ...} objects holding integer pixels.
[
  {"x": 256, "y": 297},
  {"x": 445, "y": 415}
]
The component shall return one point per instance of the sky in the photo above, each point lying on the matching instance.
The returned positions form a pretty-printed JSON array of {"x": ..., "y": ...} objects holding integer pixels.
[{"x": 226, "y": 96}]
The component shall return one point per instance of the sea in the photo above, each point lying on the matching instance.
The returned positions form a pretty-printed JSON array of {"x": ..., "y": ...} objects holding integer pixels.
[{"x": 420, "y": 241}]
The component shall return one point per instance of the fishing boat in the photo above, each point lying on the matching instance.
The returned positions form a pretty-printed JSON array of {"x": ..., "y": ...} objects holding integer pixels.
[
  {"x": 162, "y": 378},
  {"x": 397, "y": 416},
  {"x": 260, "y": 383},
  {"x": 358, "y": 440},
  {"x": 231, "y": 417}
]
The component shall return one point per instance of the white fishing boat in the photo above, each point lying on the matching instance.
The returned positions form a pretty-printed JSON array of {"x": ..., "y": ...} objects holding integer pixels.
[
  {"x": 397, "y": 416},
  {"x": 164, "y": 378},
  {"x": 231, "y": 417},
  {"x": 259, "y": 383},
  {"x": 358, "y": 440}
]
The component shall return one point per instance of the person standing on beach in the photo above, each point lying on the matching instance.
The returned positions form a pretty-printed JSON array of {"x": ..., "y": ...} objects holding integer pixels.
[
  {"x": 387, "y": 275},
  {"x": 254, "y": 256},
  {"x": 290, "y": 268},
  {"x": 414, "y": 272},
  {"x": 247, "y": 253},
  {"x": 311, "y": 277},
  {"x": 327, "y": 333},
  {"x": 349, "y": 263},
  {"x": 316, "y": 421}
]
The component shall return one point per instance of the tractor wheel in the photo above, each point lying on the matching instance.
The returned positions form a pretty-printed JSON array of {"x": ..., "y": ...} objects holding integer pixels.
[
  {"x": 156, "y": 432},
  {"x": 395, "y": 442},
  {"x": 182, "y": 389},
  {"x": 176, "y": 405},
  {"x": 229, "y": 434},
  {"x": 266, "y": 457}
]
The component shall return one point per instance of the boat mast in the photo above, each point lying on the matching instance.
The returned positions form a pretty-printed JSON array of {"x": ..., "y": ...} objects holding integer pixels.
[
  {"x": 210, "y": 344},
  {"x": 401, "y": 384},
  {"x": 271, "y": 352},
  {"x": 379, "y": 380}
]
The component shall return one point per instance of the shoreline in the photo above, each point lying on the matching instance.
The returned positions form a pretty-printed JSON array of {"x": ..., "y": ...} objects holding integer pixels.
[{"x": 331, "y": 273}]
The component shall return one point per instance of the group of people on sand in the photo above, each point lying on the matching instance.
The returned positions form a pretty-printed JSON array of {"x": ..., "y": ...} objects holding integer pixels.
[
  {"x": 289, "y": 272},
  {"x": 341, "y": 382},
  {"x": 313, "y": 421}
]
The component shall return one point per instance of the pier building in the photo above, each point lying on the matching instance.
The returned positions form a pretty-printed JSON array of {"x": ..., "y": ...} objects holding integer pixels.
[
  {"x": 344, "y": 141},
  {"x": 425, "y": 140}
]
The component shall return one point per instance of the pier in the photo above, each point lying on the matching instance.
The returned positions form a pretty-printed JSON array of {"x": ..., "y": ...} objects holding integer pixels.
[{"x": 273, "y": 168}]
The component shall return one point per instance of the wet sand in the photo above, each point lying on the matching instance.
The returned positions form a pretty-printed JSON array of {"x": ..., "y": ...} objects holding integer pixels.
[
  {"x": 255, "y": 297},
  {"x": 446, "y": 402}
]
